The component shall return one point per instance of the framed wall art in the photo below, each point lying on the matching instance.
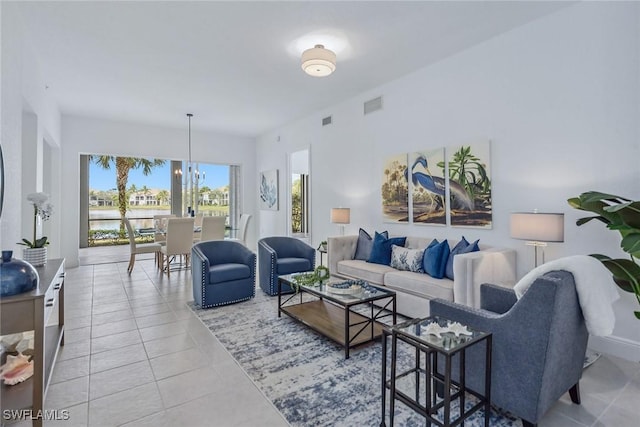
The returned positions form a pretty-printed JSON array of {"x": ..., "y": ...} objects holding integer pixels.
[
  {"x": 470, "y": 201},
  {"x": 269, "y": 190},
  {"x": 428, "y": 192},
  {"x": 395, "y": 189}
]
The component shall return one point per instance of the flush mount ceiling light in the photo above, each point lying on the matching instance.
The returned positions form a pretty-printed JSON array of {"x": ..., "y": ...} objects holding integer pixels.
[{"x": 318, "y": 61}]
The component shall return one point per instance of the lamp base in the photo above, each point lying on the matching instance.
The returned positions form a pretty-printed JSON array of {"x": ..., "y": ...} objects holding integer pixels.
[{"x": 537, "y": 245}]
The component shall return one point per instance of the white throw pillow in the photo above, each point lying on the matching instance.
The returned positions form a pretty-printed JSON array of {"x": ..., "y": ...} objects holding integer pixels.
[{"x": 406, "y": 259}]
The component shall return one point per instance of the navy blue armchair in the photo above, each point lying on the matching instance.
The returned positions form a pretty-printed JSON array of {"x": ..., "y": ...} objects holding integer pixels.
[
  {"x": 282, "y": 255},
  {"x": 223, "y": 272},
  {"x": 539, "y": 344}
]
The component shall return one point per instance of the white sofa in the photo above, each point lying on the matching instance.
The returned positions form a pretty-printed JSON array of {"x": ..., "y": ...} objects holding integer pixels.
[{"x": 414, "y": 290}]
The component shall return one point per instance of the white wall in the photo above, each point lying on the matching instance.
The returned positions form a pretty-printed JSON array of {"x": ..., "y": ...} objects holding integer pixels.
[
  {"x": 559, "y": 99},
  {"x": 24, "y": 144},
  {"x": 96, "y": 136}
]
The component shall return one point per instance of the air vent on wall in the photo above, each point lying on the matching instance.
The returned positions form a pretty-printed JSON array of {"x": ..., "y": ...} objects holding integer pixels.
[
  {"x": 373, "y": 105},
  {"x": 326, "y": 121}
]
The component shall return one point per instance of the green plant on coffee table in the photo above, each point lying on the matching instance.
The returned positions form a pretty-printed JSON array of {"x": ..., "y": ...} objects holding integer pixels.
[
  {"x": 622, "y": 215},
  {"x": 311, "y": 278}
]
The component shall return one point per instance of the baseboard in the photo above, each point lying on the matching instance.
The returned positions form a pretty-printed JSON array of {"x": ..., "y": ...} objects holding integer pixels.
[{"x": 616, "y": 346}]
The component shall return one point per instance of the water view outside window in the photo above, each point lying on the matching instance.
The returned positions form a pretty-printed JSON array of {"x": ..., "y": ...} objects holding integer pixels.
[{"x": 145, "y": 196}]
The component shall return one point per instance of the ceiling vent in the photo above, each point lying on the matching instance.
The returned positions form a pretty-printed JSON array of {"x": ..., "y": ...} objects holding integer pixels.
[
  {"x": 326, "y": 121},
  {"x": 373, "y": 105}
]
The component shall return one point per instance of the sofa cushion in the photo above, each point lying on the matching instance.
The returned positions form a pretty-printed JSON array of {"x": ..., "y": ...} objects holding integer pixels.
[
  {"x": 406, "y": 259},
  {"x": 435, "y": 259},
  {"x": 292, "y": 265},
  {"x": 381, "y": 251},
  {"x": 227, "y": 272},
  {"x": 372, "y": 273},
  {"x": 418, "y": 284},
  {"x": 364, "y": 244},
  {"x": 463, "y": 247}
]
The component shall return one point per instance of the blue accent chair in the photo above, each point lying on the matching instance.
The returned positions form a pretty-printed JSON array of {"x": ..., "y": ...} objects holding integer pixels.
[
  {"x": 223, "y": 272},
  {"x": 282, "y": 255},
  {"x": 539, "y": 344}
]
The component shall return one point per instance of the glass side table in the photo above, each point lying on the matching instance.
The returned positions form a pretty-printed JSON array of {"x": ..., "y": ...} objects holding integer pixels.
[{"x": 406, "y": 386}]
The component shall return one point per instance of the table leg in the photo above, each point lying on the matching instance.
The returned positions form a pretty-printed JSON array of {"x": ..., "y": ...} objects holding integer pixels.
[
  {"x": 429, "y": 389},
  {"x": 447, "y": 391},
  {"x": 392, "y": 391},
  {"x": 487, "y": 383},
  {"x": 462, "y": 383},
  {"x": 279, "y": 296},
  {"x": 346, "y": 333},
  {"x": 384, "y": 377}
]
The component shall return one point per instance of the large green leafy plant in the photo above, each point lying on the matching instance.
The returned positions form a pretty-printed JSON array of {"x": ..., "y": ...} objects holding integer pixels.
[{"x": 622, "y": 215}]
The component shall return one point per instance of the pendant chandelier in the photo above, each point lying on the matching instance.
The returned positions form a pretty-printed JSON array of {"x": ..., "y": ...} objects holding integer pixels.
[{"x": 192, "y": 179}]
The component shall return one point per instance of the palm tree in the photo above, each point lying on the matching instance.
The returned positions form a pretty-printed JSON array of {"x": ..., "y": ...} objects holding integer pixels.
[
  {"x": 123, "y": 166},
  {"x": 145, "y": 190},
  {"x": 163, "y": 197}
]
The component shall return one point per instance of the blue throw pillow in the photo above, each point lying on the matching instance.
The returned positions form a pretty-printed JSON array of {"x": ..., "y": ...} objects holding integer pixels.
[
  {"x": 364, "y": 245},
  {"x": 463, "y": 247},
  {"x": 381, "y": 250},
  {"x": 435, "y": 258}
]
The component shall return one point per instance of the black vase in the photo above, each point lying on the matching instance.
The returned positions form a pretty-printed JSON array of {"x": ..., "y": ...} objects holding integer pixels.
[{"x": 16, "y": 276}]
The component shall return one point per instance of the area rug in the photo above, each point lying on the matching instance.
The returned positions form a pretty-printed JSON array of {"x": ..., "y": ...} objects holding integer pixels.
[{"x": 305, "y": 374}]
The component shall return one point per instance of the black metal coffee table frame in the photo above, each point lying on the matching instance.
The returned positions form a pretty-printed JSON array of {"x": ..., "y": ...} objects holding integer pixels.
[
  {"x": 332, "y": 315},
  {"x": 430, "y": 371}
]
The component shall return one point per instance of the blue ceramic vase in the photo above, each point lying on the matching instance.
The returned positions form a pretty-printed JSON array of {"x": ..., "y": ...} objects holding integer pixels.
[{"x": 16, "y": 276}]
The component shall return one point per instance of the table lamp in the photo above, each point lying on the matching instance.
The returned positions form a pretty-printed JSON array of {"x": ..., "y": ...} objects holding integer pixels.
[
  {"x": 341, "y": 216},
  {"x": 537, "y": 229}
]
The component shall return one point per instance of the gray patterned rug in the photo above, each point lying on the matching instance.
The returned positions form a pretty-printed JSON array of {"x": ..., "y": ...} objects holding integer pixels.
[{"x": 305, "y": 374}]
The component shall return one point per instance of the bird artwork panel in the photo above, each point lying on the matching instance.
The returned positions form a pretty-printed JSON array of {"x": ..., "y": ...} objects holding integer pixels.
[
  {"x": 269, "y": 190},
  {"x": 428, "y": 191},
  {"x": 395, "y": 189},
  {"x": 469, "y": 170}
]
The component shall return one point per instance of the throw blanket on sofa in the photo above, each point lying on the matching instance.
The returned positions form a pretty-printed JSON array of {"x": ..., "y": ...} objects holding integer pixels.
[{"x": 595, "y": 287}]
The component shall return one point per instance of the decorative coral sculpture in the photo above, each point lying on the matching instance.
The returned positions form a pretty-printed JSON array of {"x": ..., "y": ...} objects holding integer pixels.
[
  {"x": 458, "y": 329},
  {"x": 16, "y": 369},
  {"x": 435, "y": 329}
]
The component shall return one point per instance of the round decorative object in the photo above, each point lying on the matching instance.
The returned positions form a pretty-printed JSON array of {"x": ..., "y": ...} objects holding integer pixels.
[
  {"x": 16, "y": 276},
  {"x": 35, "y": 256},
  {"x": 344, "y": 288}
]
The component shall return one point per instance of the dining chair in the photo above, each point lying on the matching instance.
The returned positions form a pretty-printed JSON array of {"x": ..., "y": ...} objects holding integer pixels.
[
  {"x": 179, "y": 242},
  {"x": 198, "y": 220},
  {"x": 213, "y": 228},
  {"x": 160, "y": 225},
  {"x": 242, "y": 229},
  {"x": 143, "y": 248}
]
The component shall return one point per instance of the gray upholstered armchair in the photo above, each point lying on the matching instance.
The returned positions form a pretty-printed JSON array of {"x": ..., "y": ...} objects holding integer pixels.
[
  {"x": 282, "y": 255},
  {"x": 539, "y": 344},
  {"x": 223, "y": 272}
]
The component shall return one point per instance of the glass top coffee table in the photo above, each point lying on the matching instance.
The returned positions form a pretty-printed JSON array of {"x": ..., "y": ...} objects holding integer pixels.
[{"x": 344, "y": 313}]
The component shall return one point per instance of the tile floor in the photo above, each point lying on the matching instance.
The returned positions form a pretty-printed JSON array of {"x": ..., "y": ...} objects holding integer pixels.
[{"x": 135, "y": 355}]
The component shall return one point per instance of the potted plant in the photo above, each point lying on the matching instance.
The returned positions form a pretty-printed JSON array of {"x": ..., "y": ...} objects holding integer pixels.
[
  {"x": 35, "y": 252},
  {"x": 622, "y": 215}
]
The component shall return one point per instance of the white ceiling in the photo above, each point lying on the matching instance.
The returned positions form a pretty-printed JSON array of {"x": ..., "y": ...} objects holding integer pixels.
[{"x": 236, "y": 65}]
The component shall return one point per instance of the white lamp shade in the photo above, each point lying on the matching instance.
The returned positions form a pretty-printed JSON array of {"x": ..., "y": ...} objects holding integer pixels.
[
  {"x": 537, "y": 227},
  {"x": 318, "y": 61},
  {"x": 340, "y": 215}
]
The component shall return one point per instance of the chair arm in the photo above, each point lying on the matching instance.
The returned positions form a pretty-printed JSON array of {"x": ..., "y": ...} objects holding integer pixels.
[
  {"x": 267, "y": 258},
  {"x": 199, "y": 274},
  {"x": 497, "y": 299},
  {"x": 198, "y": 257},
  {"x": 492, "y": 265},
  {"x": 246, "y": 256},
  {"x": 475, "y": 318},
  {"x": 340, "y": 248}
]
